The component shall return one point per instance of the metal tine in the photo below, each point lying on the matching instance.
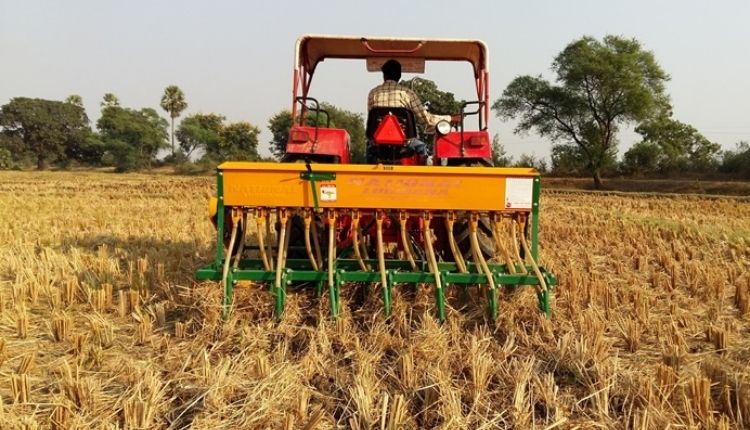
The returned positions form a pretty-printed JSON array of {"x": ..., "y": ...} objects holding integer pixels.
[
  {"x": 450, "y": 218},
  {"x": 279, "y": 284},
  {"x": 482, "y": 263},
  {"x": 402, "y": 217},
  {"x": 260, "y": 220},
  {"x": 316, "y": 242},
  {"x": 332, "y": 287},
  {"x": 355, "y": 241},
  {"x": 379, "y": 215},
  {"x": 514, "y": 244},
  {"x": 269, "y": 242},
  {"x": 241, "y": 249},
  {"x": 542, "y": 287},
  {"x": 227, "y": 260},
  {"x": 497, "y": 220},
  {"x": 308, "y": 246},
  {"x": 432, "y": 263}
]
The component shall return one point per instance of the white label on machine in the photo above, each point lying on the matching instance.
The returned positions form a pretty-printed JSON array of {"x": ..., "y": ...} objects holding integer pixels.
[
  {"x": 327, "y": 192},
  {"x": 519, "y": 193}
]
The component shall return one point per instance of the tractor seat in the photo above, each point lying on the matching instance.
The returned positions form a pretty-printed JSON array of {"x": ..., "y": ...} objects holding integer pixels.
[{"x": 404, "y": 116}]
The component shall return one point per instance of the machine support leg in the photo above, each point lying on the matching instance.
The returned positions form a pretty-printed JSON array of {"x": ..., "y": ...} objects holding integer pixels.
[
  {"x": 279, "y": 286},
  {"x": 386, "y": 287},
  {"x": 226, "y": 276},
  {"x": 544, "y": 305},
  {"x": 280, "y": 296},
  {"x": 492, "y": 301},
  {"x": 226, "y": 304},
  {"x": 482, "y": 265},
  {"x": 336, "y": 295},
  {"x": 381, "y": 264},
  {"x": 333, "y": 280},
  {"x": 542, "y": 288},
  {"x": 440, "y": 299},
  {"x": 432, "y": 262},
  {"x": 334, "y": 299}
]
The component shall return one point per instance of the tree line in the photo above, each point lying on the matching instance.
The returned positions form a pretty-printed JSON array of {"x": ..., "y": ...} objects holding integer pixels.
[
  {"x": 50, "y": 132},
  {"x": 600, "y": 86},
  {"x": 44, "y": 133}
]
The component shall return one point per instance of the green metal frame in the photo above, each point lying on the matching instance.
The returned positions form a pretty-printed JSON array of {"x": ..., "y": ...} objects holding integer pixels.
[
  {"x": 313, "y": 177},
  {"x": 348, "y": 270}
]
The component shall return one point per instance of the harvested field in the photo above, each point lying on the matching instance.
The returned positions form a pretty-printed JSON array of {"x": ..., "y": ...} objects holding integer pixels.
[{"x": 102, "y": 325}]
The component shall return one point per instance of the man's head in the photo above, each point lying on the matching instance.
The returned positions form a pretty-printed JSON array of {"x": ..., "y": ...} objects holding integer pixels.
[{"x": 391, "y": 70}]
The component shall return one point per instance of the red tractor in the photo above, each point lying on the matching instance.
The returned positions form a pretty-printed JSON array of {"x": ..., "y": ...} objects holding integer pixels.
[
  {"x": 453, "y": 146},
  {"x": 398, "y": 220},
  {"x": 389, "y": 129}
]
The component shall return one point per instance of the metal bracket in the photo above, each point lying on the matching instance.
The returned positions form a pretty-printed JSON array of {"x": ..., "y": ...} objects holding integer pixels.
[{"x": 311, "y": 176}]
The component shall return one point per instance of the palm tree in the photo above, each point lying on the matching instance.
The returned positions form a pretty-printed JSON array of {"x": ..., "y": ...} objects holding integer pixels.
[{"x": 173, "y": 101}]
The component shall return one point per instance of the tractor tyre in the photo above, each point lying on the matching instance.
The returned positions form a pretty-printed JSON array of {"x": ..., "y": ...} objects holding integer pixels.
[
  {"x": 297, "y": 237},
  {"x": 484, "y": 231},
  {"x": 461, "y": 232}
]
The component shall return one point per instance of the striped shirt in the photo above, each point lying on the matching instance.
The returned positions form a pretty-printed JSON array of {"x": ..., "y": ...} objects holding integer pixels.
[{"x": 391, "y": 94}]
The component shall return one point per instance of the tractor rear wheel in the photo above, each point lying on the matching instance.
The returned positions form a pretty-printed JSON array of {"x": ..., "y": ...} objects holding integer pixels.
[
  {"x": 297, "y": 236},
  {"x": 461, "y": 232},
  {"x": 484, "y": 230}
]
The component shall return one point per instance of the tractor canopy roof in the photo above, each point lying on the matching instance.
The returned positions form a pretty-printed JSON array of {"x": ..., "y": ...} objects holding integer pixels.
[{"x": 411, "y": 52}]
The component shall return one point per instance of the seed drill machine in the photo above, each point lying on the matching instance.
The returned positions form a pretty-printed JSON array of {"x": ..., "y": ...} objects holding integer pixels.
[{"x": 316, "y": 219}]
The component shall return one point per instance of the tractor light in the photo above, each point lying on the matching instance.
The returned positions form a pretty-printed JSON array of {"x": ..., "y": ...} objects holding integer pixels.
[
  {"x": 443, "y": 127},
  {"x": 478, "y": 141},
  {"x": 299, "y": 136}
]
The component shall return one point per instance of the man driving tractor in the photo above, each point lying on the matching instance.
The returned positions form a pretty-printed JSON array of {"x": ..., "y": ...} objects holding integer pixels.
[{"x": 390, "y": 94}]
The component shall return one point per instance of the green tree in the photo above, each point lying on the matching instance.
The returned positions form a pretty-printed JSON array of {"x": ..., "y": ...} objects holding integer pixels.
[
  {"x": 737, "y": 162},
  {"x": 10, "y": 149},
  {"x": 353, "y": 123},
  {"x": 87, "y": 149},
  {"x": 642, "y": 158},
  {"x": 531, "y": 160},
  {"x": 279, "y": 125},
  {"x": 173, "y": 102},
  {"x": 110, "y": 100},
  {"x": 500, "y": 158},
  {"x": 237, "y": 141},
  {"x": 436, "y": 101},
  {"x": 601, "y": 85},
  {"x": 75, "y": 99},
  {"x": 132, "y": 137},
  {"x": 199, "y": 131},
  {"x": 45, "y": 127},
  {"x": 12, "y": 146},
  {"x": 682, "y": 147},
  {"x": 568, "y": 160},
  {"x": 6, "y": 159}
]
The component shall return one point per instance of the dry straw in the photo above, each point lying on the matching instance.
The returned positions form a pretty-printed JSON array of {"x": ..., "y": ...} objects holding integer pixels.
[{"x": 103, "y": 326}]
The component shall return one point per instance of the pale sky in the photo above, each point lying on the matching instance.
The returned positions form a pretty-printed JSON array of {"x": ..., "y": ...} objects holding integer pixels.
[{"x": 236, "y": 57}]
